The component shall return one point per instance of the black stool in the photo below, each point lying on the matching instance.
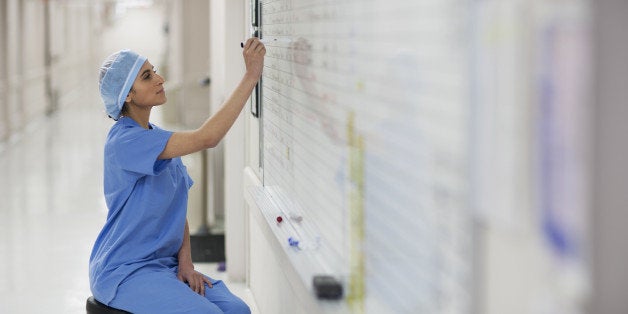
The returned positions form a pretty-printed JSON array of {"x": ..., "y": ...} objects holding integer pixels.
[{"x": 95, "y": 307}]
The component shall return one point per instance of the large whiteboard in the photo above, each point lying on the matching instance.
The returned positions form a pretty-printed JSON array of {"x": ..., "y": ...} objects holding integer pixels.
[{"x": 365, "y": 149}]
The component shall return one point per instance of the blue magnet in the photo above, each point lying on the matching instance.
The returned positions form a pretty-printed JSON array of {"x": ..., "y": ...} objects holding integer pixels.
[{"x": 293, "y": 242}]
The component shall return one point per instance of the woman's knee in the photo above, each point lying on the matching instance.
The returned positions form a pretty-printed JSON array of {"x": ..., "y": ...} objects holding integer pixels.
[{"x": 235, "y": 306}]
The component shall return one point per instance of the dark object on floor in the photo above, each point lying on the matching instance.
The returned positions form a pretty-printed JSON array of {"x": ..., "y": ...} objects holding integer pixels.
[{"x": 208, "y": 248}]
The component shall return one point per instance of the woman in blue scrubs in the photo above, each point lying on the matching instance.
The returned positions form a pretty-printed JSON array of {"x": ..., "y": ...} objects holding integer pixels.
[{"x": 141, "y": 261}]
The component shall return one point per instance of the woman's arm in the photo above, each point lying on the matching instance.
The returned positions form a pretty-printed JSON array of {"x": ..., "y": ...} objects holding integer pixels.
[
  {"x": 186, "y": 271},
  {"x": 215, "y": 128}
]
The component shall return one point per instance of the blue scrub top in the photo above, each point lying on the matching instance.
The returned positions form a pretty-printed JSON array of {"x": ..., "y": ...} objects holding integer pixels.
[{"x": 147, "y": 202}]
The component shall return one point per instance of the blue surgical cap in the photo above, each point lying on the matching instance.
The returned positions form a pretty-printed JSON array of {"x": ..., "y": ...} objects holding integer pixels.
[{"x": 117, "y": 75}]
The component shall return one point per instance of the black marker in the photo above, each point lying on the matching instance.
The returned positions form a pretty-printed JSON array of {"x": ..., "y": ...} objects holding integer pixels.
[{"x": 271, "y": 40}]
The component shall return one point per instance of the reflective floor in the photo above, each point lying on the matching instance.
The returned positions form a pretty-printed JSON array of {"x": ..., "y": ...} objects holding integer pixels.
[{"x": 52, "y": 208}]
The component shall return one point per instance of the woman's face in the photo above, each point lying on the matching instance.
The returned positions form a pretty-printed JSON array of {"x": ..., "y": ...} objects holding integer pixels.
[{"x": 148, "y": 88}]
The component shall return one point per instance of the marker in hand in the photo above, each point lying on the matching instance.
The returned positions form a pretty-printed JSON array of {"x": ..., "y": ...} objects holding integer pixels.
[{"x": 271, "y": 40}]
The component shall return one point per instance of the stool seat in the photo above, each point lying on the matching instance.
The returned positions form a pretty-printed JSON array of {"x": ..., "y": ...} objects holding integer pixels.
[{"x": 95, "y": 307}]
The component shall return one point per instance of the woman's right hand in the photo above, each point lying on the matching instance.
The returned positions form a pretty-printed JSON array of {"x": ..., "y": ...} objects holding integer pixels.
[{"x": 253, "y": 52}]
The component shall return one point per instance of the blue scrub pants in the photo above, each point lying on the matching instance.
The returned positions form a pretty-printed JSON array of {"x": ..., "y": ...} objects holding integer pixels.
[{"x": 162, "y": 292}]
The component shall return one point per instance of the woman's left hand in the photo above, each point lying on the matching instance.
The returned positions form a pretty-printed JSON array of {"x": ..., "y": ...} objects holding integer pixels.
[{"x": 195, "y": 280}]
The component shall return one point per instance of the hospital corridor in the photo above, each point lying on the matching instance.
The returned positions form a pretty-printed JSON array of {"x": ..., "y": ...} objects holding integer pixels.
[{"x": 358, "y": 156}]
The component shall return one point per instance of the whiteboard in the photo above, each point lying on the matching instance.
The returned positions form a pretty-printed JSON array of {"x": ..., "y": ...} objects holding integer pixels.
[{"x": 364, "y": 128}]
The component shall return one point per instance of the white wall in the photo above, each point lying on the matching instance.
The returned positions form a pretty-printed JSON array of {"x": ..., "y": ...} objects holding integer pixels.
[
  {"x": 227, "y": 67},
  {"x": 194, "y": 56},
  {"x": 185, "y": 64},
  {"x": 34, "y": 70},
  {"x": 14, "y": 66},
  {"x": 31, "y": 86},
  {"x": 4, "y": 121}
]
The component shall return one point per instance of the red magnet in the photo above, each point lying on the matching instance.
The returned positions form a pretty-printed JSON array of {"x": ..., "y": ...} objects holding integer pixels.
[{"x": 279, "y": 219}]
